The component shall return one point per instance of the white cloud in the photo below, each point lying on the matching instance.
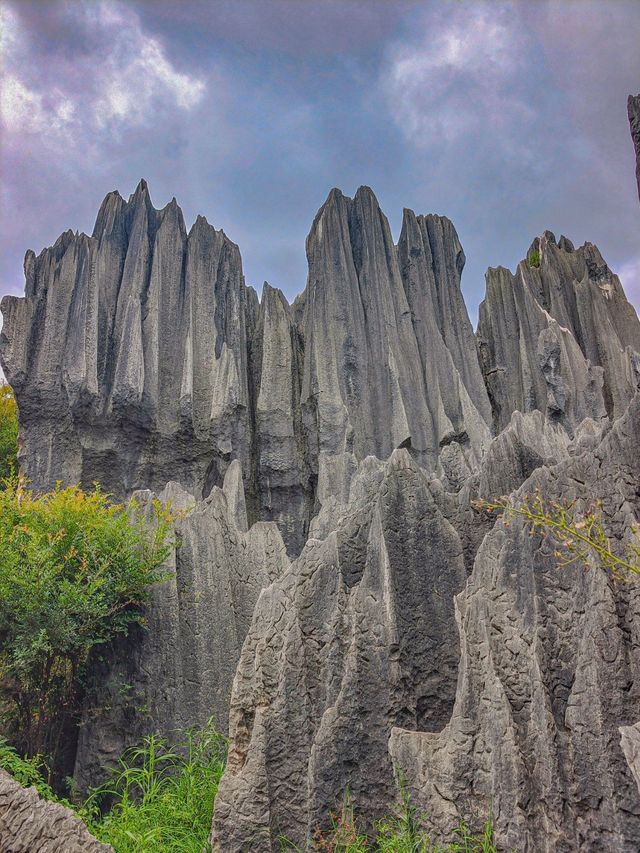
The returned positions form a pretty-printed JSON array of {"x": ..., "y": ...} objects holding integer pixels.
[
  {"x": 458, "y": 74},
  {"x": 124, "y": 85},
  {"x": 138, "y": 73},
  {"x": 23, "y": 109}
]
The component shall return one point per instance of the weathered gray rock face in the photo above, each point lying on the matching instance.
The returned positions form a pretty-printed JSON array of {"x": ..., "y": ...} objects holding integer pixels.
[
  {"x": 630, "y": 743},
  {"x": 370, "y": 383},
  {"x": 549, "y": 669},
  {"x": 139, "y": 356},
  {"x": 358, "y": 635},
  {"x": 128, "y": 353},
  {"x": 560, "y": 338},
  {"x": 177, "y": 671},
  {"x": 31, "y": 825},
  {"x": 633, "y": 109}
]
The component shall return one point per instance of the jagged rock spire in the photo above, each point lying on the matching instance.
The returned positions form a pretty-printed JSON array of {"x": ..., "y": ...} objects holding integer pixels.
[{"x": 138, "y": 355}]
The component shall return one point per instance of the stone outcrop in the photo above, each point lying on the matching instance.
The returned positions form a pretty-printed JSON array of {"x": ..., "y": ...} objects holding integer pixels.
[
  {"x": 630, "y": 743},
  {"x": 29, "y": 824},
  {"x": 138, "y": 355},
  {"x": 334, "y": 596},
  {"x": 357, "y": 636},
  {"x": 558, "y": 336},
  {"x": 177, "y": 670},
  {"x": 548, "y": 670},
  {"x": 633, "y": 109}
]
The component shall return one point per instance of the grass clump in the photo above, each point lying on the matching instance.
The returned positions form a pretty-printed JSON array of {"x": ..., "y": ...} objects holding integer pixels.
[
  {"x": 161, "y": 797},
  {"x": 534, "y": 258},
  {"x": 400, "y": 833}
]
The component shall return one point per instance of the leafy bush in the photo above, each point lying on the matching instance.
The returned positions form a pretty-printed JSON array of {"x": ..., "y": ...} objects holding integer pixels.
[
  {"x": 161, "y": 798},
  {"x": 534, "y": 258},
  {"x": 8, "y": 433},
  {"x": 74, "y": 573},
  {"x": 29, "y": 772}
]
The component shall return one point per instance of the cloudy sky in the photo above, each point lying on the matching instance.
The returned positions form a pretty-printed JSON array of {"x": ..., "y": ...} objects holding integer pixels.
[{"x": 508, "y": 117}]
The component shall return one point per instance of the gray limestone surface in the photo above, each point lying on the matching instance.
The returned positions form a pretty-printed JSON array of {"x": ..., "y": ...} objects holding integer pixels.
[
  {"x": 549, "y": 670},
  {"x": 138, "y": 356},
  {"x": 29, "y": 824},
  {"x": 357, "y": 636},
  {"x": 334, "y": 597},
  {"x": 176, "y": 671},
  {"x": 633, "y": 110}
]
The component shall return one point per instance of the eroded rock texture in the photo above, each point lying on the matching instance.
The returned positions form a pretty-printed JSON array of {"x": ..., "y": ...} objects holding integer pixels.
[
  {"x": 356, "y": 637},
  {"x": 177, "y": 670},
  {"x": 549, "y": 668},
  {"x": 139, "y": 356},
  {"x": 29, "y": 824},
  {"x": 353, "y": 430},
  {"x": 558, "y": 336},
  {"x": 633, "y": 109}
]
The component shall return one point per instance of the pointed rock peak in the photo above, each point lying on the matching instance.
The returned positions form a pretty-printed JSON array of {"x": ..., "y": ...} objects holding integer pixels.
[
  {"x": 272, "y": 295},
  {"x": 172, "y": 213},
  {"x": 141, "y": 195},
  {"x": 109, "y": 209},
  {"x": 534, "y": 247},
  {"x": 565, "y": 244},
  {"x": 549, "y": 237},
  {"x": 365, "y": 192},
  {"x": 200, "y": 226}
]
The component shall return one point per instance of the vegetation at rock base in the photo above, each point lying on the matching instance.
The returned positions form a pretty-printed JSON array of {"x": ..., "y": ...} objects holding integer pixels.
[
  {"x": 160, "y": 798},
  {"x": 401, "y": 832},
  {"x": 75, "y": 571},
  {"x": 8, "y": 433},
  {"x": 574, "y": 534}
]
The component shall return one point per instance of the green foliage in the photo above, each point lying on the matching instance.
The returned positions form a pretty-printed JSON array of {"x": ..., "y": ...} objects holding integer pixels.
[
  {"x": 161, "y": 798},
  {"x": 534, "y": 258},
  {"x": 29, "y": 772},
  {"x": 574, "y": 536},
  {"x": 8, "y": 433},
  {"x": 74, "y": 573}
]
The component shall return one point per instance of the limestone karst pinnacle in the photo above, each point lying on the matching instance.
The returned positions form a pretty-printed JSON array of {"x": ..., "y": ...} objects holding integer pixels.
[
  {"x": 335, "y": 598},
  {"x": 633, "y": 109}
]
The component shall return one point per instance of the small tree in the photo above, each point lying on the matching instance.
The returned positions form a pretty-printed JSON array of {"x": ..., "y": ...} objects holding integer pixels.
[
  {"x": 8, "y": 433},
  {"x": 75, "y": 571}
]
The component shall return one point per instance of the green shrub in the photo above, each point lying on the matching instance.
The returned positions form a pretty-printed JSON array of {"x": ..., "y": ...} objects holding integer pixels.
[
  {"x": 534, "y": 258},
  {"x": 158, "y": 798},
  {"x": 8, "y": 433},
  {"x": 74, "y": 572},
  {"x": 29, "y": 772}
]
